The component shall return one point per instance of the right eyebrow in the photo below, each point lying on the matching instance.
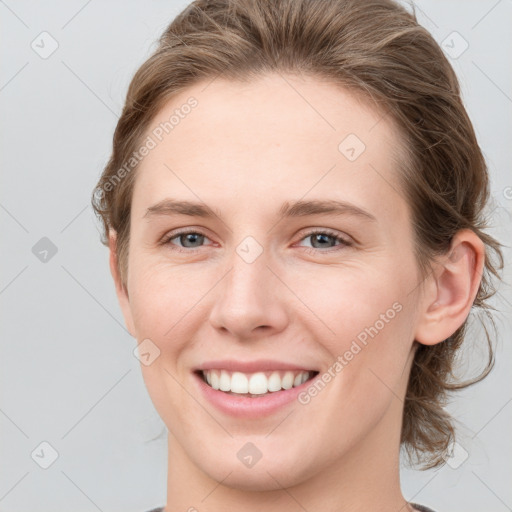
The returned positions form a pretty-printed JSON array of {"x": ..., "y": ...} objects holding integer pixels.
[{"x": 170, "y": 206}]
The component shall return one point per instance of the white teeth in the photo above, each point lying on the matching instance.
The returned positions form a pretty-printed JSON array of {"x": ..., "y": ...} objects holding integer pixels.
[
  {"x": 239, "y": 383},
  {"x": 287, "y": 381},
  {"x": 215, "y": 379},
  {"x": 258, "y": 383},
  {"x": 224, "y": 381},
  {"x": 274, "y": 382}
]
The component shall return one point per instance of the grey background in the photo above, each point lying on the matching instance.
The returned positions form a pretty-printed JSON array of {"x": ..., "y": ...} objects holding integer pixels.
[{"x": 68, "y": 374}]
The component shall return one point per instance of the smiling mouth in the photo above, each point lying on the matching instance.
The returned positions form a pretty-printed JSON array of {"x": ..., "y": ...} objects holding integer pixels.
[{"x": 254, "y": 384}]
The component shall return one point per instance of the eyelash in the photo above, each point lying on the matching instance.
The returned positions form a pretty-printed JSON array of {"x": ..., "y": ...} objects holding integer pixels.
[
  {"x": 343, "y": 242},
  {"x": 309, "y": 250}
]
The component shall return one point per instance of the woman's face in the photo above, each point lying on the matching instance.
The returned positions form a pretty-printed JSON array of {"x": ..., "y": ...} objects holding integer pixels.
[{"x": 252, "y": 284}]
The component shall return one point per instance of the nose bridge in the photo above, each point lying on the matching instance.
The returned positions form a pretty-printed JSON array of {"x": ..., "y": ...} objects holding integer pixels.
[
  {"x": 248, "y": 281},
  {"x": 249, "y": 295}
]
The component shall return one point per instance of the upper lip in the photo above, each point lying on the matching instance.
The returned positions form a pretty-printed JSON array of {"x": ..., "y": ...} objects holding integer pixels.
[{"x": 258, "y": 365}]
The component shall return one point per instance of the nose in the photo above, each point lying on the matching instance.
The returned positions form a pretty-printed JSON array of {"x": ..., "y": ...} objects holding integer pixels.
[{"x": 250, "y": 300}]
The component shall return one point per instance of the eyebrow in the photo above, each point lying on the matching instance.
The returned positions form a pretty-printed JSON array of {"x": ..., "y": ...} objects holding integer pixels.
[
  {"x": 318, "y": 207},
  {"x": 287, "y": 210}
]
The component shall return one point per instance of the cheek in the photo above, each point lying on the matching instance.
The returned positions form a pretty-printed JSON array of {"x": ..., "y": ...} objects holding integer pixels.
[
  {"x": 364, "y": 319},
  {"x": 370, "y": 352},
  {"x": 162, "y": 305},
  {"x": 349, "y": 302},
  {"x": 162, "y": 297}
]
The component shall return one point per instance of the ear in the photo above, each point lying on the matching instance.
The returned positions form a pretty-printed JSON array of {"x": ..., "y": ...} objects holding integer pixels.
[
  {"x": 451, "y": 289},
  {"x": 121, "y": 290}
]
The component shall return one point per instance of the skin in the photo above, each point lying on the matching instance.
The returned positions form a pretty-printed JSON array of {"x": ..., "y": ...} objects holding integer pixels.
[{"x": 244, "y": 151}]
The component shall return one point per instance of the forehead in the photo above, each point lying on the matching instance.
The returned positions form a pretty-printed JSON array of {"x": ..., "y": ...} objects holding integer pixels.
[{"x": 280, "y": 137}]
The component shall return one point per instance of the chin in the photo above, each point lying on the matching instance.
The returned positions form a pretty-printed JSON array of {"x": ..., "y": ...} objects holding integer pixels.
[{"x": 267, "y": 474}]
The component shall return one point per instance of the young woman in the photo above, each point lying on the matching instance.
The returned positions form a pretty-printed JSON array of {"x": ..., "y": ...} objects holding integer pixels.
[{"x": 293, "y": 207}]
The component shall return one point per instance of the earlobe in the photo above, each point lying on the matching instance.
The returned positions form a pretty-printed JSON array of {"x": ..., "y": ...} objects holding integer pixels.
[
  {"x": 121, "y": 290},
  {"x": 451, "y": 289}
]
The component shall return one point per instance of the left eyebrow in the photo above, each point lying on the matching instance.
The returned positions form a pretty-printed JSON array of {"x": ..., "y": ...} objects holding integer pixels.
[
  {"x": 294, "y": 209},
  {"x": 318, "y": 207}
]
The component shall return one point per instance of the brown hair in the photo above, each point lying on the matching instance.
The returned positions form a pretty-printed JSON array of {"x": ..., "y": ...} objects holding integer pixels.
[{"x": 375, "y": 48}]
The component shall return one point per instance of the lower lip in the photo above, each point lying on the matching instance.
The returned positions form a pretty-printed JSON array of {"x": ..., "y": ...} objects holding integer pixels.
[{"x": 247, "y": 407}]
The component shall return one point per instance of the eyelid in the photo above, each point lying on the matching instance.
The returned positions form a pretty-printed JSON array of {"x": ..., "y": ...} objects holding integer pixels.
[
  {"x": 345, "y": 240},
  {"x": 164, "y": 240},
  {"x": 327, "y": 231}
]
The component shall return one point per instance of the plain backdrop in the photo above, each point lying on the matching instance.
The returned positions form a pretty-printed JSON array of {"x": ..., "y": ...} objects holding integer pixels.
[{"x": 71, "y": 393}]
